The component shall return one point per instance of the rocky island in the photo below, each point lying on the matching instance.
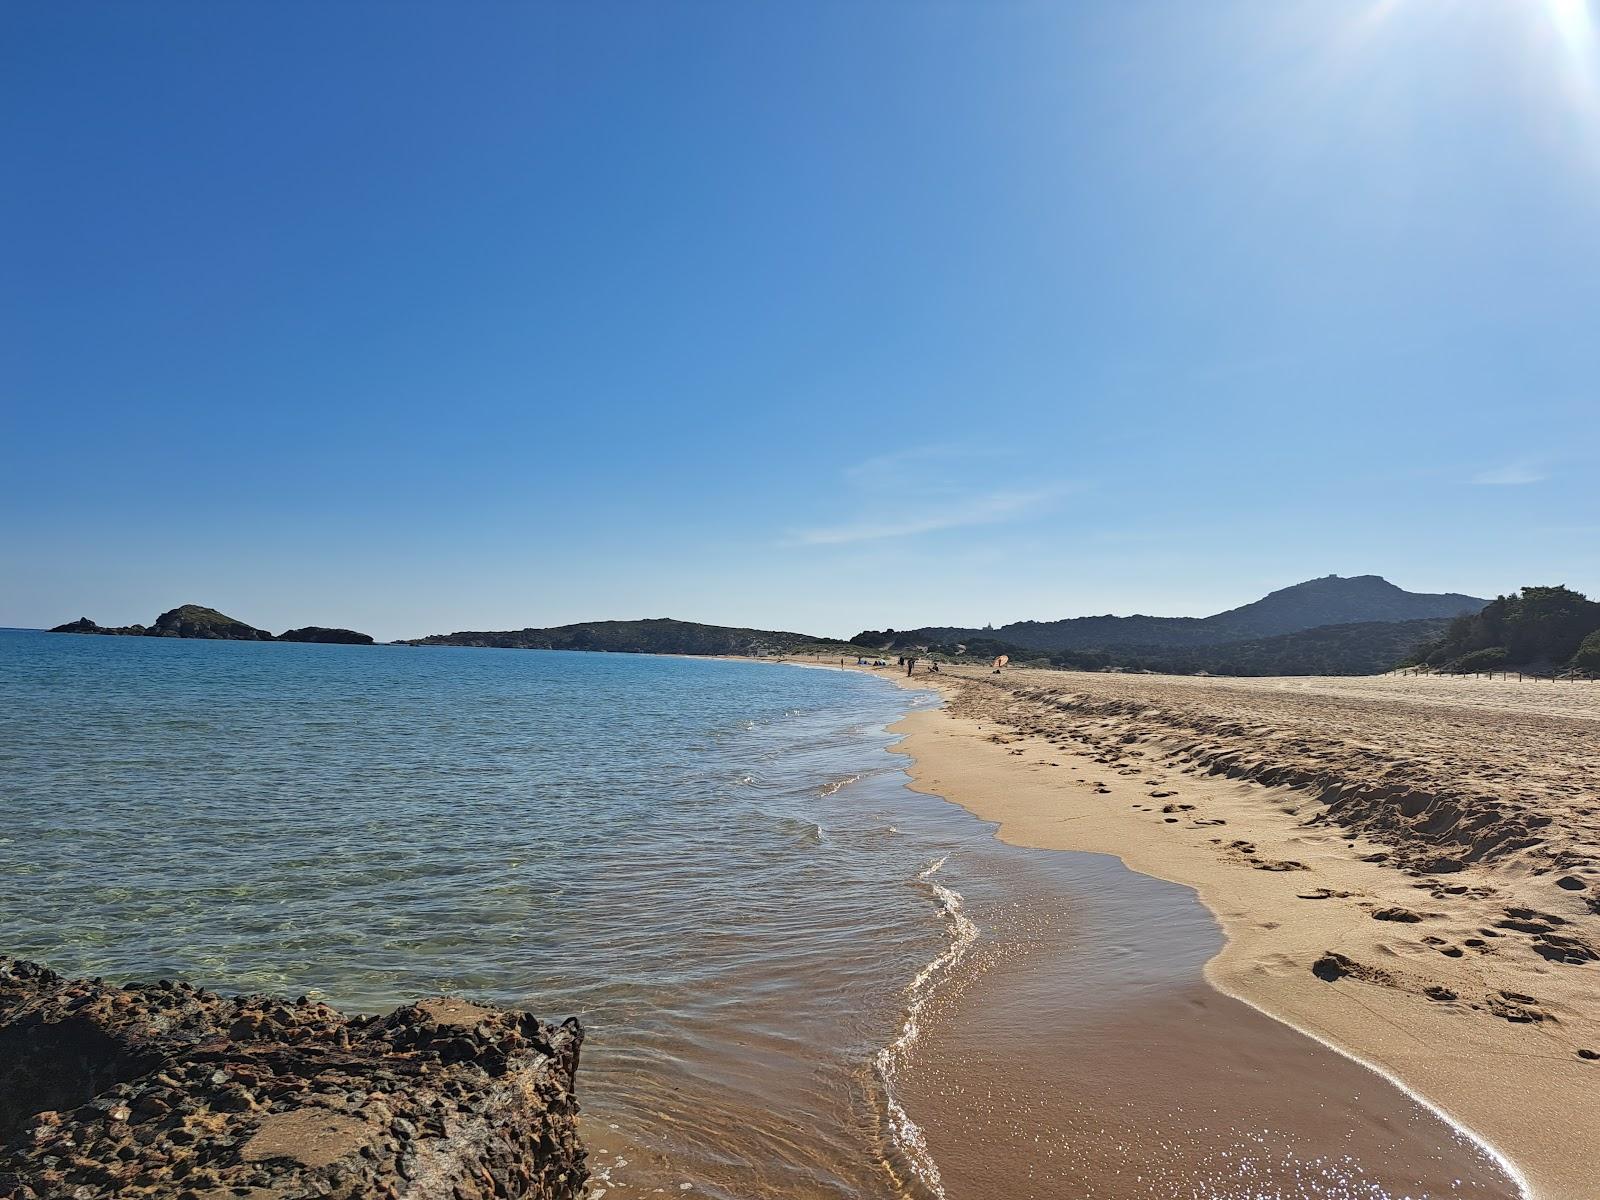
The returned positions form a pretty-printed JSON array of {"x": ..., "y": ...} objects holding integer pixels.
[
  {"x": 167, "y": 1090},
  {"x": 321, "y": 633},
  {"x": 185, "y": 621},
  {"x": 198, "y": 621}
]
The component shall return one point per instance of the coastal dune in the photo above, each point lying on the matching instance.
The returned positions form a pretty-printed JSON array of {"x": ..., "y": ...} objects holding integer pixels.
[{"x": 1405, "y": 868}]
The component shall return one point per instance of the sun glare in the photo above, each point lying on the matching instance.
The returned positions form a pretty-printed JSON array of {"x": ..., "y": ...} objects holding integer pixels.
[
  {"x": 1560, "y": 37},
  {"x": 1574, "y": 22}
]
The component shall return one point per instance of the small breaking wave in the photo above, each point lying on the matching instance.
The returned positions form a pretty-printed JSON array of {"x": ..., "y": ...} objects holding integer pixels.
[
  {"x": 802, "y": 830},
  {"x": 905, "y": 1135},
  {"x": 828, "y": 789}
]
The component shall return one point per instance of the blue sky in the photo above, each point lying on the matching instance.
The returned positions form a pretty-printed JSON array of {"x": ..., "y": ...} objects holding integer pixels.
[{"x": 421, "y": 317}]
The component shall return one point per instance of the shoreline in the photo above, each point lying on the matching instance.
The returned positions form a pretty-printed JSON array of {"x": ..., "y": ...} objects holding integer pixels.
[
  {"x": 1088, "y": 969},
  {"x": 1279, "y": 923},
  {"x": 1257, "y": 887}
]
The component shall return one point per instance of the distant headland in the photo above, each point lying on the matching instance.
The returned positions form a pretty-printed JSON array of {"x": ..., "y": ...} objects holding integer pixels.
[{"x": 1330, "y": 626}]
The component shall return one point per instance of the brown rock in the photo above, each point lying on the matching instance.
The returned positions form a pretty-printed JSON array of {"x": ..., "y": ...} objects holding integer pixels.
[{"x": 164, "y": 1090}]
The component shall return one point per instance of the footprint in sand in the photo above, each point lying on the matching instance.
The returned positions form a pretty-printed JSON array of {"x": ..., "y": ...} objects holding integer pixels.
[
  {"x": 1529, "y": 920},
  {"x": 1334, "y": 966},
  {"x": 1245, "y": 851},
  {"x": 1557, "y": 947},
  {"x": 1517, "y": 1008},
  {"x": 1396, "y": 913}
]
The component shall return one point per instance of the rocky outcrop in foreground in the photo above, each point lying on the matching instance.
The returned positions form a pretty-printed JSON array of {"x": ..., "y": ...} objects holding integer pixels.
[{"x": 165, "y": 1090}]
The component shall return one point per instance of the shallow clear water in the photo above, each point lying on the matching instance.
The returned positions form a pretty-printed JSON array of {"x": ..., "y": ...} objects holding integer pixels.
[
  {"x": 716, "y": 865},
  {"x": 366, "y": 822}
]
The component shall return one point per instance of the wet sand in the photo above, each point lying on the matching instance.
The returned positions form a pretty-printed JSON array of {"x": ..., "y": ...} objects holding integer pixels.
[
  {"x": 1439, "y": 931},
  {"x": 1073, "y": 1050},
  {"x": 1088, "y": 1058}
]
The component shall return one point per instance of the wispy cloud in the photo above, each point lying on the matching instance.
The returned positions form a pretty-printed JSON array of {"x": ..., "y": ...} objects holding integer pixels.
[
  {"x": 1512, "y": 474},
  {"x": 985, "y": 508},
  {"x": 916, "y": 490},
  {"x": 897, "y": 465}
]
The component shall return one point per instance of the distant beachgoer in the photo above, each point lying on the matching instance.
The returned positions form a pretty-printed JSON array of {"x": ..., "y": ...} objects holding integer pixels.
[{"x": 911, "y": 665}]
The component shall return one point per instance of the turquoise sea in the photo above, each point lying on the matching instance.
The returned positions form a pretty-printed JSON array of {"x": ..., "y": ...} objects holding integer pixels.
[{"x": 716, "y": 865}]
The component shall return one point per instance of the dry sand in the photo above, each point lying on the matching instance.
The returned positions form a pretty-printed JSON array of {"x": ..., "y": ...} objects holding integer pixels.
[{"x": 1407, "y": 868}]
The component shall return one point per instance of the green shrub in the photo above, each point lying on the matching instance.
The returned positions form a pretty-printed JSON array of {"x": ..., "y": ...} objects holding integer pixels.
[
  {"x": 1588, "y": 656},
  {"x": 1535, "y": 625},
  {"x": 1491, "y": 659}
]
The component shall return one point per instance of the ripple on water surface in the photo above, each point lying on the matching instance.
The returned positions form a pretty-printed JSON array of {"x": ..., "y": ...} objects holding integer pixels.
[{"x": 794, "y": 972}]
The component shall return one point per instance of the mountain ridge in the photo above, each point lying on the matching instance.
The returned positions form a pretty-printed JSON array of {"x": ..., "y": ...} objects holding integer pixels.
[
  {"x": 1330, "y": 625},
  {"x": 1311, "y": 604}
]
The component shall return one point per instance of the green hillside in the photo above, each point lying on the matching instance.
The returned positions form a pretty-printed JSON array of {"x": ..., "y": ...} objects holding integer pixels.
[
  {"x": 1316, "y": 603},
  {"x": 660, "y": 635},
  {"x": 1362, "y": 648}
]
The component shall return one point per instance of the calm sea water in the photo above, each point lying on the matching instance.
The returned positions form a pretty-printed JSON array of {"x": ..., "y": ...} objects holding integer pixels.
[{"x": 717, "y": 866}]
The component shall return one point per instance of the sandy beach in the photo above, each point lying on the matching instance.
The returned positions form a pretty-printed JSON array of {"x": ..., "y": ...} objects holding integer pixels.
[{"x": 1404, "y": 868}]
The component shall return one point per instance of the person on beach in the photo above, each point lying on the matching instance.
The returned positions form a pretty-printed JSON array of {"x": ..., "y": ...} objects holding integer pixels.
[{"x": 911, "y": 665}]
